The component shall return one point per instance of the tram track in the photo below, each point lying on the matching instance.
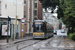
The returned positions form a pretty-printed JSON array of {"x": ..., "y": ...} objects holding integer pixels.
[
  {"x": 13, "y": 44},
  {"x": 29, "y": 45},
  {"x": 51, "y": 41},
  {"x": 37, "y": 41},
  {"x": 17, "y": 44},
  {"x": 67, "y": 45},
  {"x": 22, "y": 41},
  {"x": 61, "y": 43},
  {"x": 47, "y": 43},
  {"x": 56, "y": 41}
]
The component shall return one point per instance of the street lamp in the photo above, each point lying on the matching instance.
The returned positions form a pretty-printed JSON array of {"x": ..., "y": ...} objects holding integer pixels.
[{"x": 15, "y": 21}]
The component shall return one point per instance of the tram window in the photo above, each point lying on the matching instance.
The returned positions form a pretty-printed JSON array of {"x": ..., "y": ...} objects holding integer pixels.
[{"x": 38, "y": 28}]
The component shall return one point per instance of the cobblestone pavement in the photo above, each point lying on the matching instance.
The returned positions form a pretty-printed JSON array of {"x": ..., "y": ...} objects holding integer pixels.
[
  {"x": 58, "y": 42},
  {"x": 53, "y": 43}
]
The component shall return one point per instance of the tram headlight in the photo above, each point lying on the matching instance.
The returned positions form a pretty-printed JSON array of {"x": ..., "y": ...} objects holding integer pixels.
[{"x": 43, "y": 33}]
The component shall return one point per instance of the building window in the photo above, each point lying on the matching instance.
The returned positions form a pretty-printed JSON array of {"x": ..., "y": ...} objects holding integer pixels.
[
  {"x": 0, "y": 14},
  {"x": 24, "y": 14},
  {"x": 24, "y": 1},
  {"x": 35, "y": 18},
  {"x": 35, "y": 12},
  {"x": 35, "y": 0},
  {"x": 50, "y": 20},
  {"x": 5, "y": 6},
  {"x": 35, "y": 5}
]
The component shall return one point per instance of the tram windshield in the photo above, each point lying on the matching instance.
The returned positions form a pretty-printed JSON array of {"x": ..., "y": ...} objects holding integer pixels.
[{"x": 38, "y": 27}]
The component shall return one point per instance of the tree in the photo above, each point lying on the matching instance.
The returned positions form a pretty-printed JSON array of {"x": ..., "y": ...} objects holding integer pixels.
[
  {"x": 61, "y": 8},
  {"x": 49, "y": 3},
  {"x": 66, "y": 11}
]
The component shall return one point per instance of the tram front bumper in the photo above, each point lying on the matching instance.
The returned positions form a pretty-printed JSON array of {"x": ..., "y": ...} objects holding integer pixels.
[
  {"x": 41, "y": 36},
  {"x": 38, "y": 35}
]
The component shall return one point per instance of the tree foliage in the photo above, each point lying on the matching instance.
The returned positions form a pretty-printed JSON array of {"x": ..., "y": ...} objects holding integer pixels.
[
  {"x": 49, "y": 3},
  {"x": 66, "y": 11}
]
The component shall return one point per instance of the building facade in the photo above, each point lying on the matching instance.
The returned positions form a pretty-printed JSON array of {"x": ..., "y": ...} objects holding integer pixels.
[
  {"x": 51, "y": 18},
  {"x": 11, "y": 8},
  {"x": 29, "y": 9}
]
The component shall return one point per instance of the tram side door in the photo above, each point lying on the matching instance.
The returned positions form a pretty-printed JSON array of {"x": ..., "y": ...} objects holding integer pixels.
[
  {"x": 0, "y": 29},
  {"x": 45, "y": 30}
]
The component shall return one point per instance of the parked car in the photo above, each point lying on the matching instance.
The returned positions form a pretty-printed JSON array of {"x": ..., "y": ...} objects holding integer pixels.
[
  {"x": 62, "y": 30},
  {"x": 55, "y": 32}
]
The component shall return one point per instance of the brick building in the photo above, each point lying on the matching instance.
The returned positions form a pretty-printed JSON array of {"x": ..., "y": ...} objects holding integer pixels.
[{"x": 32, "y": 11}]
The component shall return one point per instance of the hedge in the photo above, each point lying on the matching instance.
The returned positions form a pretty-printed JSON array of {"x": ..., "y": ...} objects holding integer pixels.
[{"x": 72, "y": 36}]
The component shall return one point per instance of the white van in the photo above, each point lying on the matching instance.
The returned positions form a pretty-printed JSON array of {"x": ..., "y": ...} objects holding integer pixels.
[{"x": 62, "y": 30}]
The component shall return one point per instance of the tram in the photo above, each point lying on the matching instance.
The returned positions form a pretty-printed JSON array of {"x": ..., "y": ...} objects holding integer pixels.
[{"x": 42, "y": 29}]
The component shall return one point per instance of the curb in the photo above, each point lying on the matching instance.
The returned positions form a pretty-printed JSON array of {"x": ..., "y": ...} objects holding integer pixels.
[
  {"x": 16, "y": 41},
  {"x": 20, "y": 40}
]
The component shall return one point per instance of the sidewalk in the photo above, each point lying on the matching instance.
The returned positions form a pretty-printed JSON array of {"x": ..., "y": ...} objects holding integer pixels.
[{"x": 4, "y": 41}]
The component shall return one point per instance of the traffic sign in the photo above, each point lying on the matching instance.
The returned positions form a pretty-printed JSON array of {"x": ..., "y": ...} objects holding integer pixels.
[
  {"x": 22, "y": 30},
  {"x": 22, "y": 23},
  {"x": 16, "y": 22},
  {"x": 23, "y": 20}
]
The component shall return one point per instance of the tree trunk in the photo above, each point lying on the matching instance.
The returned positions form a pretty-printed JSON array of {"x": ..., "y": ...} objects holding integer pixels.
[
  {"x": 72, "y": 29},
  {"x": 46, "y": 9},
  {"x": 68, "y": 30}
]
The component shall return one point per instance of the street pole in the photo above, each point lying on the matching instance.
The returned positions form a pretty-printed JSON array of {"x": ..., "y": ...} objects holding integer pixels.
[
  {"x": 29, "y": 18},
  {"x": 8, "y": 30},
  {"x": 16, "y": 21},
  {"x": 23, "y": 21},
  {"x": 29, "y": 26},
  {"x": 22, "y": 30},
  {"x": 9, "y": 19},
  {"x": 15, "y": 27}
]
